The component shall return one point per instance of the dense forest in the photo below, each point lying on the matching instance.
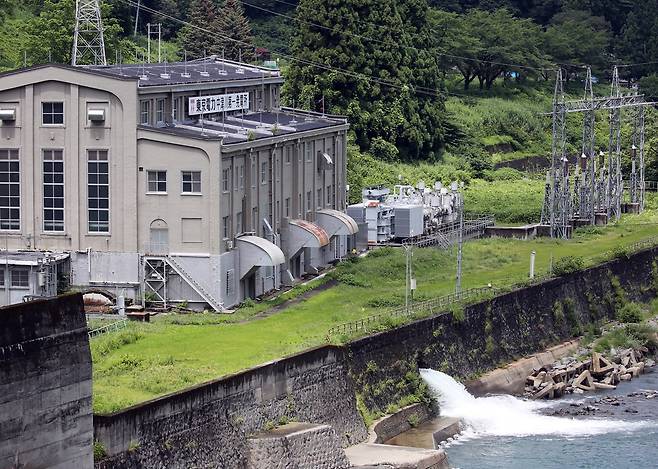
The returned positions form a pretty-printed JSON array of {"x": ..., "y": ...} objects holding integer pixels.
[{"x": 410, "y": 74}]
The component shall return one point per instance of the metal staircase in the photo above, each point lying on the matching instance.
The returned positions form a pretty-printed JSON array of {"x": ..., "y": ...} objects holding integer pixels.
[
  {"x": 156, "y": 273},
  {"x": 200, "y": 289}
]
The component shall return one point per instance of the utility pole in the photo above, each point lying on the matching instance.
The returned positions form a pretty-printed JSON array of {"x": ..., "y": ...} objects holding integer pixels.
[
  {"x": 153, "y": 31},
  {"x": 88, "y": 42},
  {"x": 410, "y": 283},
  {"x": 139, "y": 3}
]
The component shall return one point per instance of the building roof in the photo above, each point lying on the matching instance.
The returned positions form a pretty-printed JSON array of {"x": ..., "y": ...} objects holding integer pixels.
[
  {"x": 252, "y": 126},
  {"x": 209, "y": 70},
  {"x": 29, "y": 257},
  {"x": 87, "y": 70}
]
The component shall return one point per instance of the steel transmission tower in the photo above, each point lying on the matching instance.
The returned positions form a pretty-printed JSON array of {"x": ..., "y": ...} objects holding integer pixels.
[
  {"x": 615, "y": 183},
  {"x": 559, "y": 202},
  {"x": 88, "y": 42},
  {"x": 588, "y": 194}
]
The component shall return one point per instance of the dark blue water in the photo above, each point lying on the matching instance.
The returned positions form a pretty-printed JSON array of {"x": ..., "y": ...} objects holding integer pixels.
[{"x": 611, "y": 436}]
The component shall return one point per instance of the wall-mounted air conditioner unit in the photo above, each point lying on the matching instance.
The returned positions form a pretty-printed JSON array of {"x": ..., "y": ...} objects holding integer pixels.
[
  {"x": 7, "y": 114},
  {"x": 96, "y": 115}
]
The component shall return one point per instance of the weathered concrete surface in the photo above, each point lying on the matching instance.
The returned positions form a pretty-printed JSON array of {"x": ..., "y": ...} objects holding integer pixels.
[
  {"x": 391, "y": 425},
  {"x": 428, "y": 434},
  {"x": 509, "y": 326},
  {"x": 45, "y": 385},
  {"x": 208, "y": 425},
  {"x": 399, "y": 457},
  {"x": 511, "y": 378},
  {"x": 297, "y": 446}
]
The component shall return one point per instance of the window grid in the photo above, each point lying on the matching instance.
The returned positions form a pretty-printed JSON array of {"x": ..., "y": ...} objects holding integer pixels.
[
  {"x": 157, "y": 182},
  {"x": 160, "y": 111},
  {"x": 52, "y": 113},
  {"x": 227, "y": 227},
  {"x": 98, "y": 191},
  {"x": 20, "y": 278},
  {"x": 2, "y": 277},
  {"x": 241, "y": 176},
  {"x": 287, "y": 206},
  {"x": 238, "y": 223},
  {"x": 191, "y": 182},
  {"x": 226, "y": 179},
  {"x": 144, "y": 112},
  {"x": 10, "y": 190},
  {"x": 263, "y": 172},
  {"x": 53, "y": 190},
  {"x": 319, "y": 198}
]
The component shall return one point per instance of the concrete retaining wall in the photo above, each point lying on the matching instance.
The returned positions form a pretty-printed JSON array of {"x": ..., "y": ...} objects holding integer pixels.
[
  {"x": 208, "y": 425},
  {"x": 45, "y": 385}
]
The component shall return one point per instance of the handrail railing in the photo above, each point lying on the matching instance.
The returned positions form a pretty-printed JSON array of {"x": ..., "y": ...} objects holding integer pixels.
[
  {"x": 115, "y": 326},
  {"x": 363, "y": 324}
]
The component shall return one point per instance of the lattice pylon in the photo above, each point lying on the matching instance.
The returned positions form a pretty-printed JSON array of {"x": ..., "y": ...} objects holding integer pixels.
[
  {"x": 88, "y": 42},
  {"x": 615, "y": 183},
  {"x": 588, "y": 199},
  {"x": 559, "y": 200}
]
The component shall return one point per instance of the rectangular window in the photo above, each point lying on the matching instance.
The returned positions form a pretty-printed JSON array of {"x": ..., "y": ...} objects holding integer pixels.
[
  {"x": 254, "y": 219},
  {"x": 253, "y": 172},
  {"x": 299, "y": 205},
  {"x": 309, "y": 151},
  {"x": 174, "y": 110},
  {"x": 53, "y": 190},
  {"x": 160, "y": 111},
  {"x": 157, "y": 182},
  {"x": 10, "y": 190},
  {"x": 226, "y": 178},
  {"x": 263, "y": 172},
  {"x": 98, "y": 191},
  {"x": 288, "y": 154},
  {"x": 227, "y": 227},
  {"x": 52, "y": 113},
  {"x": 328, "y": 195},
  {"x": 191, "y": 182},
  {"x": 20, "y": 278},
  {"x": 241, "y": 176},
  {"x": 238, "y": 223},
  {"x": 287, "y": 206},
  {"x": 319, "y": 199},
  {"x": 2, "y": 277},
  {"x": 309, "y": 200},
  {"x": 145, "y": 112}
]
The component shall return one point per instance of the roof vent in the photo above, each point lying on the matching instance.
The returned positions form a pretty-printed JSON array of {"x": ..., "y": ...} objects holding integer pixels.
[
  {"x": 165, "y": 75},
  {"x": 96, "y": 115},
  {"x": 143, "y": 77},
  {"x": 239, "y": 71},
  {"x": 222, "y": 72},
  {"x": 185, "y": 75},
  {"x": 204, "y": 74}
]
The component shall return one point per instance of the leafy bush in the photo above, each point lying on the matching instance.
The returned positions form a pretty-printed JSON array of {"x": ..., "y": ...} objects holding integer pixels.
[
  {"x": 383, "y": 150},
  {"x": 567, "y": 265},
  {"x": 630, "y": 312},
  {"x": 99, "y": 451},
  {"x": 503, "y": 174}
]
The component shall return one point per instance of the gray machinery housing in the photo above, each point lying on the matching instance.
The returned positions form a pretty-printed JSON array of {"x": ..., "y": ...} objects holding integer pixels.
[{"x": 408, "y": 212}]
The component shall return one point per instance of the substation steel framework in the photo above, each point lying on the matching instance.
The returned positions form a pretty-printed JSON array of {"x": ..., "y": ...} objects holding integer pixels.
[
  {"x": 88, "y": 41},
  {"x": 597, "y": 184}
]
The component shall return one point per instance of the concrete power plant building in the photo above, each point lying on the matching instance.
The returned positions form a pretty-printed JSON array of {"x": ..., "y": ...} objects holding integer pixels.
[{"x": 184, "y": 182}]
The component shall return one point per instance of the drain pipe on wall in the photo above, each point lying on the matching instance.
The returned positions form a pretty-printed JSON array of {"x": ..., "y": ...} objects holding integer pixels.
[{"x": 532, "y": 264}]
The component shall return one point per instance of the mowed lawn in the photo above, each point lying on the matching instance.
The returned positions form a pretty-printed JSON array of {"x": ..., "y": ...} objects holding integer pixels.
[{"x": 147, "y": 360}]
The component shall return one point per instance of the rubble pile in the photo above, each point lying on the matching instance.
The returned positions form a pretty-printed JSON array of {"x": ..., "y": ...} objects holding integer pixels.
[{"x": 571, "y": 375}]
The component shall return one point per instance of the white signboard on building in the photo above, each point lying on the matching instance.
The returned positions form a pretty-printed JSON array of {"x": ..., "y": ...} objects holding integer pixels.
[{"x": 218, "y": 103}]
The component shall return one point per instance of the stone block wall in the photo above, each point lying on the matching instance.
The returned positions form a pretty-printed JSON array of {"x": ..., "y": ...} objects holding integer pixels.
[
  {"x": 45, "y": 385},
  {"x": 208, "y": 425},
  {"x": 297, "y": 446},
  {"x": 495, "y": 332}
]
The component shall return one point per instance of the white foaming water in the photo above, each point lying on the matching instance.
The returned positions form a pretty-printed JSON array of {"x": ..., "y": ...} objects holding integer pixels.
[{"x": 505, "y": 415}]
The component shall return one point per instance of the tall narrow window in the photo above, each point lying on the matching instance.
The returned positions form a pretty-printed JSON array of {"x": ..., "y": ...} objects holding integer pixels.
[
  {"x": 53, "y": 190},
  {"x": 191, "y": 182},
  {"x": 238, "y": 223},
  {"x": 226, "y": 222},
  {"x": 287, "y": 206},
  {"x": 253, "y": 172},
  {"x": 263, "y": 172},
  {"x": 10, "y": 190},
  {"x": 52, "y": 113},
  {"x": 309, "y": 200},
  {"x": 174, "y": 110},
  {"x": 319, "y": 198},
  {"x": 160, "y": 111},
  {"x": 145, "y": 112},
  {"x": 241, "y": 176},
  {"x": 226, "y": 180},
  {"x": 156, "y": 182},
  {"x": 98, "y": 191}
]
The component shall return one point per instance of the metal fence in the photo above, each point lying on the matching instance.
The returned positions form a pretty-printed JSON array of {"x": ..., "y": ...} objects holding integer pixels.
[
  {"x": 115, "y": 326},
  {"x": 430, "y": 306}
]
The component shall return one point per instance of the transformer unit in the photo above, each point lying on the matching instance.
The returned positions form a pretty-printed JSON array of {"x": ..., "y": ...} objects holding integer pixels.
[{"x": 407, "y": 212}]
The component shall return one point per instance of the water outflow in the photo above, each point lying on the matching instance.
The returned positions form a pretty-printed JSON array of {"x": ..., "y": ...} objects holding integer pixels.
[{"x": 505, "y": 415}]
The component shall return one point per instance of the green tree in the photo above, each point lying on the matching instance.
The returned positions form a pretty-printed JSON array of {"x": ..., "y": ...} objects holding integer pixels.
[
  {"x": 196, "y": 42},
  {"x": 235, "y": 26},
  {"x": 576, "y": 38},
  {"x": 491, "y": 43},
  {"x": 392, "y": 87},
  {"x": 639, "y": 39},
  {"x": 51, "y": 32}
]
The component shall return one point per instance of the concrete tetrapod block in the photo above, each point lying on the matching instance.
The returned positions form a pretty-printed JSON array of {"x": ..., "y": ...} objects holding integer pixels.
[
  {"x": 600, "y": 364},
  {"x": 584, "y": 381},
  {"x": 604, "y": 386}
]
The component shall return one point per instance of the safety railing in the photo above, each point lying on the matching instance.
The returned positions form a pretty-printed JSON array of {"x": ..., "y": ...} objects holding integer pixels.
[
  {"x": 363, "y": 324},
  {"x": 115, "y": 326}
]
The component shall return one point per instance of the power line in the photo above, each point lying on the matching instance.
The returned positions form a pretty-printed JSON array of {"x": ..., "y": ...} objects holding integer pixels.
[
  {"x": 379, "y": 41},
  {"x": 358, "y": 75}
]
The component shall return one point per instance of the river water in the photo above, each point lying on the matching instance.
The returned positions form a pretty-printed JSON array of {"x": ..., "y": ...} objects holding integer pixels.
[{"x": 511, "y": 433}]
